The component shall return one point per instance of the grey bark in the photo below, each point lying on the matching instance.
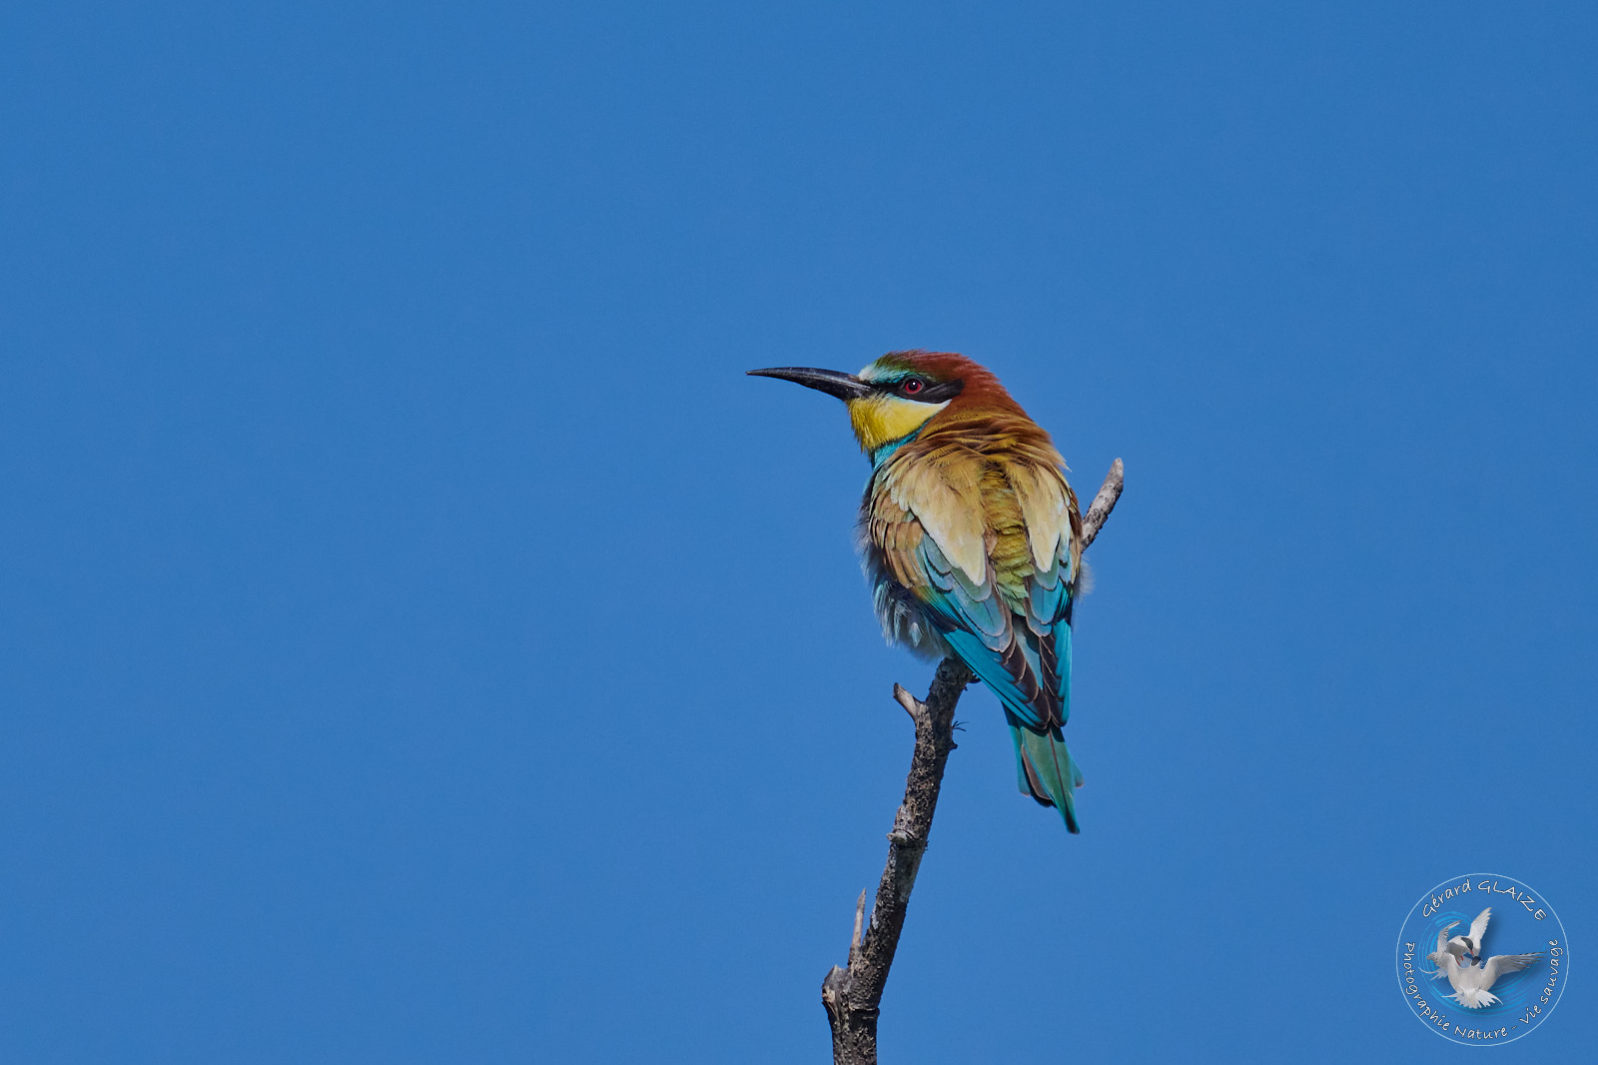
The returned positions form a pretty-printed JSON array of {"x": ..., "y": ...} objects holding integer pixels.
[{"x": 852, "y": 994}]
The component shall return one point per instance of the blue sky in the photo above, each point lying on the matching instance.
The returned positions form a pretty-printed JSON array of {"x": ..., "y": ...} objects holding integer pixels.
[{"x": 422, "y": 643}]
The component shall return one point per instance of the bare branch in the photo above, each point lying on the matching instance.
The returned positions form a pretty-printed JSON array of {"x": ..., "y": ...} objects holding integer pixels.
[
  {"x": 853, "y": 995},
  {"x": 1103, "y": 503},
  {"x": 859, "y": 916}
]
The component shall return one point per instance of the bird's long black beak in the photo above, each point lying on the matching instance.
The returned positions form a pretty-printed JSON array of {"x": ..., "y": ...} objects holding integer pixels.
[{"x": 833, "y": 382}]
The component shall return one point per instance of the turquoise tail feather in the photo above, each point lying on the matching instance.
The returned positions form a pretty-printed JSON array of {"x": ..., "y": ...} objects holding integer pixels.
[{"x": 1045, "y": 770}]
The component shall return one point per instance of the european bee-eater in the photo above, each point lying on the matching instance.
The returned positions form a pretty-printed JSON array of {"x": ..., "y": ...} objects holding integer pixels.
[{"x": 972, "y": 540}]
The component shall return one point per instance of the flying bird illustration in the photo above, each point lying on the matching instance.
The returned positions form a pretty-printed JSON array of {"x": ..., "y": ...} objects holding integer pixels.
[
  {"x": 972, "y": 540},
  {"x": 1471, "y": 944},
  {"x": 1454, "y": 946},
  {"x": 1471, "y": 983}
]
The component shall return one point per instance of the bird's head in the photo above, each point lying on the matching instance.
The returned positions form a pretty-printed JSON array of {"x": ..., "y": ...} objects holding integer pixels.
[{"x": 897, "y": 394}]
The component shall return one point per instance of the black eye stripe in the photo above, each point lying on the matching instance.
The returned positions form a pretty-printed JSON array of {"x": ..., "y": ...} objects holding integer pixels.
[{"x": 931, "y": 392}]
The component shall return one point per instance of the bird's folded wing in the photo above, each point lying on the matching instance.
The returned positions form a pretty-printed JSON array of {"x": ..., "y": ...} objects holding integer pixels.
[{"x": 1008, "y": 620}]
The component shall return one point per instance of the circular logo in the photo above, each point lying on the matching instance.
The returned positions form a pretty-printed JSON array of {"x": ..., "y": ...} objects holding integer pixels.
[{"x": 1482, "y": 959}]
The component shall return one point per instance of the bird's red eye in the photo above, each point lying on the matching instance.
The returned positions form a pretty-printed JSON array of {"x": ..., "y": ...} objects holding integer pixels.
[{"x": 912, "y": 385}]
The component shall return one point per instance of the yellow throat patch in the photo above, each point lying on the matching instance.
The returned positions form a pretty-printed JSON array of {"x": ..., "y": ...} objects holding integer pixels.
[{"x": 880, "y": 419}]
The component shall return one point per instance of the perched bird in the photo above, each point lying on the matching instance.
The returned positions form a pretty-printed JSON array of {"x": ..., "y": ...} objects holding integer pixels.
[
  {"x": 1471, "y": 983},
  {"x": 972, "y": 540}
]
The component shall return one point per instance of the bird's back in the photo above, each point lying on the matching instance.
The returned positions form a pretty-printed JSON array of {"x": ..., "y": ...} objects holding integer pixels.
[{"x": 973, "y": 543}]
